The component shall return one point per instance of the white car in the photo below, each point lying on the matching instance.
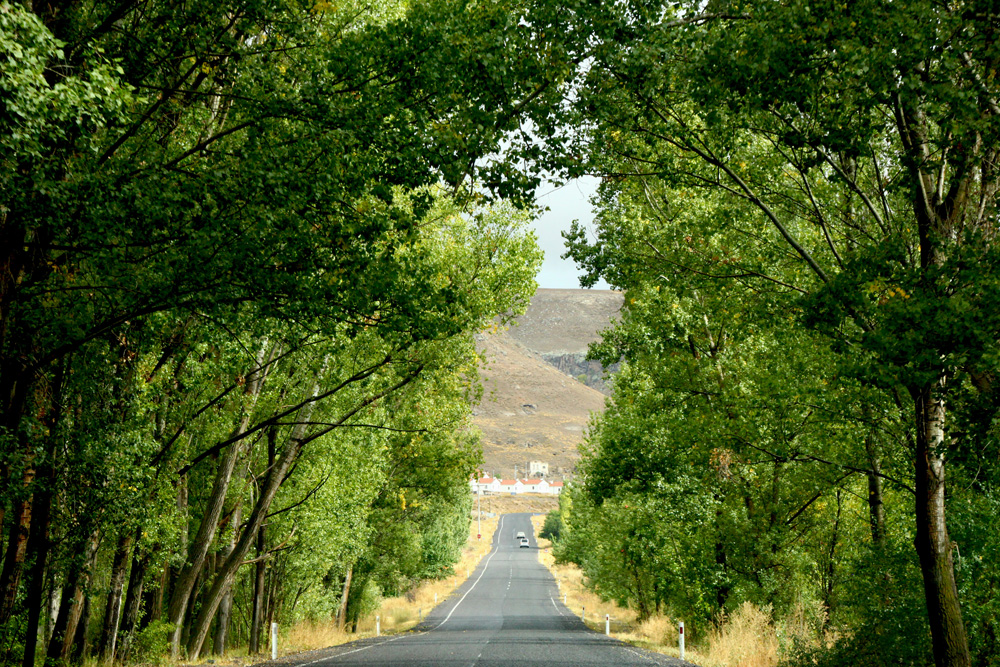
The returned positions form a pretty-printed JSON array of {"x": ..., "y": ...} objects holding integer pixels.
[{"x": 524, "y": 543}]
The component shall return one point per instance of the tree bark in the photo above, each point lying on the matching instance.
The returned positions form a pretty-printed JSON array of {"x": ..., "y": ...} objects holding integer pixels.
[
  {"x": 112, "y": 610},
  {"x": 72, "y": 603},
  {"x": 133, "y": 601},
  {"x": 257, "y": 615},
  {"x": 342, "y": 612},
  {"x": 38, "y": 547},
  {"x": 876, "y": 509},
  {"x": 17, "y": 544},
  {"x": 934, "y": 547},
  {"x": 226, "y": 605},
  {"x": 38, "y": 537},
  {"x": 80, "y": 636}
]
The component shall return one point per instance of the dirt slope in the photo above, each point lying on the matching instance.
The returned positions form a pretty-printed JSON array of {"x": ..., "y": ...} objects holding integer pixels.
[{"x": 531, "y": 410}]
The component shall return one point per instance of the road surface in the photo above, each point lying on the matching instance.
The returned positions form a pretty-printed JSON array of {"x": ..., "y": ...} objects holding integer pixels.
[{"x": 508, "y": 614}]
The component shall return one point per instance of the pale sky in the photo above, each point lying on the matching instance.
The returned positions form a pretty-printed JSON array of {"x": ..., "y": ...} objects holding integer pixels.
[{"x": 566, "y": 204}]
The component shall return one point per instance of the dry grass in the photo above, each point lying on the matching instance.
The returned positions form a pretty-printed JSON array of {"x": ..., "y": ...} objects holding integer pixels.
[{"x": 746, "y": 638}]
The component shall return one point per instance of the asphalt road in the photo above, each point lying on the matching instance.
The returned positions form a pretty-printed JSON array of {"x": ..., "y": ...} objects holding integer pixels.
[{"x": 508, "y": 614}]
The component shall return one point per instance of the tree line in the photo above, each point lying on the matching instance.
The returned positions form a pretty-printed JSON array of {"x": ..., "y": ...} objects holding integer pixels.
[
  {"x": 245, "y": 244},
  {"x": 800, "y": 203},
  {"x": 244, "y": 252}
]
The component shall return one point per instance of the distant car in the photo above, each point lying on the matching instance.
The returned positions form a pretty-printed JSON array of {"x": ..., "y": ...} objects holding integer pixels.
[{"x": 524, "y": 543}]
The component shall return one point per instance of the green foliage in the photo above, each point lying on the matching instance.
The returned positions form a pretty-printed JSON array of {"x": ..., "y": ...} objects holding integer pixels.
[
  {"x": 552, "y": 528},
  {"x": 153, "y": 643}
]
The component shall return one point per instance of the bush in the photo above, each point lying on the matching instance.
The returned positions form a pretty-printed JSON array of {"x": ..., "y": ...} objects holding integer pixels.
[{"x": 552, "y": 528}]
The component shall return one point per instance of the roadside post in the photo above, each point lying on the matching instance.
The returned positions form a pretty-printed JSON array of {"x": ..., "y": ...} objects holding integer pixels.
[
  {"x": 607, "y": 624},
  {"x": 378, "y": 626},
  {"x": 680, "y": 638},
  {"x": 274, "y": 641}
]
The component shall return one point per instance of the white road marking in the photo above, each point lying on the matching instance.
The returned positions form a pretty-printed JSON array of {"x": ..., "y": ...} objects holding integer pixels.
[{"x": 485, "y": 565}]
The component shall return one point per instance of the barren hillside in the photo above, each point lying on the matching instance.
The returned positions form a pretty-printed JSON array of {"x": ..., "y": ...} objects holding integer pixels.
[{"x": 531, "y": 410}]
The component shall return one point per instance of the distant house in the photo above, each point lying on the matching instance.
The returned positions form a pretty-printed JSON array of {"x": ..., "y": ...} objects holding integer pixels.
[
  {"x": 538, "y": 468},
  {"x": 485, "y": 485},
  {"x": 511, "y": 486},
  {"x": 488, "y": 485}
]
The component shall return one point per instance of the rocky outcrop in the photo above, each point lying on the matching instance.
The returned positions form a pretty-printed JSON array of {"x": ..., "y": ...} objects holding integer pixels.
[{"x": 576, "y": 365}]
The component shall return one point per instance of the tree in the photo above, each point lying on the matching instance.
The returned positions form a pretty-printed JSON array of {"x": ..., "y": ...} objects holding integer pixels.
[{"x": 861, "y": 140}]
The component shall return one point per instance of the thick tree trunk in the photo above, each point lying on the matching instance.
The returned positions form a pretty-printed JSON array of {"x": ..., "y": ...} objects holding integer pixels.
[
  {"x": 112, "y": 610},
  {"x": 72, "y": 604},
  {"x": 934, "y": 548},
  {"x": 17, "y": 545}
]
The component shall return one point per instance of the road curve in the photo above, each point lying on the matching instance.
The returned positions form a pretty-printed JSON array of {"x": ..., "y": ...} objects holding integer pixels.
[{"x": 508, "y": 613}]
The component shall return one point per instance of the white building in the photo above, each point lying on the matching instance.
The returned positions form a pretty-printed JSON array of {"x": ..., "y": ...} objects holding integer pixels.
[{"x": 488, "y": 485}]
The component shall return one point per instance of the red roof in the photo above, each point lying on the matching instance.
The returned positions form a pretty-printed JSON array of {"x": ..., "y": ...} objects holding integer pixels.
[
  {"x": 532, "y": 481},
  {"x": 508, "y": 482},
  {"x": 555, "y": 483}
]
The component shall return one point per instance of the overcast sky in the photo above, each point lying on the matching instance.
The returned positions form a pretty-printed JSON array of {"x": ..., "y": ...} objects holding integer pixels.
[{"x": 566, "y": 204}]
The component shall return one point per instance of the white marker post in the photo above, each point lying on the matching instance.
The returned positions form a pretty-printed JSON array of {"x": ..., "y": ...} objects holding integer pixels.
[
  {"x": 378, "y": 627},
  {"x": 680, "y": 639},
  {"x": 274, "y": 641},
  {"x": 435, "y": 598},
  {"x": 607, "y": 624},
  {"x": 564, "y": 598},
  {"x": 583, "y": 614}
]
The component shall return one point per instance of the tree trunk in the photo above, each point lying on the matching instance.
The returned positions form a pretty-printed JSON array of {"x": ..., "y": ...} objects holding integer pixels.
[
  {"x": 226, "y": 605},
  {"x": 226, "y": 573},
  {"x": 934, "y": 548},
  {"x": 72, "y": 603},
  {"x": 79, "y": 649},
  {"x": 112, "y": 610},
  {"x": 876, "y": 510},
  {"x": 133, "y": 600},
  {"x": 38, "y": 547},
  {"x": 831, "y": 563},
  {"x": 41, "y": 510},
  {"x": 342, "y": 612},
  {"x": 181, "y": 594},
  {"x": 257, "y": 615},
  {"x": 17, "y": 544}
]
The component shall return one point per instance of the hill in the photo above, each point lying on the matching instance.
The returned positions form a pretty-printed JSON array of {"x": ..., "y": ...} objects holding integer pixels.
[{"x": 532, "y": 410}]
